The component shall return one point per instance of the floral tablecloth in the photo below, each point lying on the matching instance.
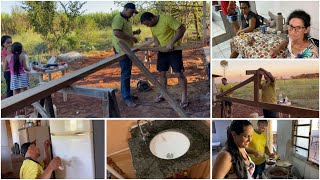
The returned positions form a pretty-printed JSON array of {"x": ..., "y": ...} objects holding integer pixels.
[{"x": 260, "y": 47}]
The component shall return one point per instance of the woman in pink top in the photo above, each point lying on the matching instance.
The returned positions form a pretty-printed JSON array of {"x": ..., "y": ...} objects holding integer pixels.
[
  {"x": 16, "y": 62},
  {"x": 6, "y": 42}
]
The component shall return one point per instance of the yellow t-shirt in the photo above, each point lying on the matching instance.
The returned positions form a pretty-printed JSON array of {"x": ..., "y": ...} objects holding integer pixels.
[
  {"x": 258, "y": 143},
  {"x": 120, "y": 23},
  {"x": 268, "y": 92},
  {"x": 224, "y": 88},
  {"x": 31, "y": 169},
  {"x": 166, "y": 29}
]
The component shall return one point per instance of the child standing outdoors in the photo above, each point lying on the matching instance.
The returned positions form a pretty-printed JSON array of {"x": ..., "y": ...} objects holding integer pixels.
[
  {"x": 6, "y": 42},
  {"x": 16, "y": 62}
]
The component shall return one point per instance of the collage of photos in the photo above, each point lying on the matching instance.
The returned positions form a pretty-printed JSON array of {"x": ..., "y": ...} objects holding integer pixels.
[{"x": 160, "y": 89}]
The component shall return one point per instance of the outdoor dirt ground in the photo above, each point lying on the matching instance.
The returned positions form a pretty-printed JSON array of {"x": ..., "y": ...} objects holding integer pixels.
[{"x": 81, "y": 106}]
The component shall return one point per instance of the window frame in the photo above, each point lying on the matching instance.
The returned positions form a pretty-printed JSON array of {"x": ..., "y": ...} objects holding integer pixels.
[{"x": 294, "y": 140}]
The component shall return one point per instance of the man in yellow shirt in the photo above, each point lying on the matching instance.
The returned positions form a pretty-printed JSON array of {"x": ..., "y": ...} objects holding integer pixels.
[
  {"x": 268, "y": 92},
  {"x": 258, "y": 147},
  {"x": 167, "y": 32},
  {"x": 225, "y": 86},
  {"x": 31, "y": 168},
  {"x": 122, "y": 30}
]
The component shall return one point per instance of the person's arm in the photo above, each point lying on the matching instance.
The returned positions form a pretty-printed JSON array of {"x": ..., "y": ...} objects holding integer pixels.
[
  {"x": 121, "y": 35},
  {"x": 222, "y": 165},
  {"x": 230, "y": 6},
  {"x": 179, "y": 34},
  {"x": 271, "y": 155},
  {"x": 24, "y": 61},
  {"x": 275, "y": 51},
  {"x": 53, "y": 165},
  {"x": 47, "y": 156},
  {"x": 268, "y": 74},
  {"x": 5, "y": 63},
  {"x": 252, "y": 25}
]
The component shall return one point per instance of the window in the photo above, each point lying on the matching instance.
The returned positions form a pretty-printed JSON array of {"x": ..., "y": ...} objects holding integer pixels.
[{"x": 306, "y": 139}]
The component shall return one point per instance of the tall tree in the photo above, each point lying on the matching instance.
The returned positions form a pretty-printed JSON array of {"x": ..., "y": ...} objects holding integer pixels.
[
  {"x": 224, "y": 64},
  {"x": 51, "y": 24}
]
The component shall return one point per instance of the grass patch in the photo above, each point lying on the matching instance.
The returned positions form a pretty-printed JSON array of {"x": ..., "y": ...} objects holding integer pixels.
[{"x": 301, "y": 92}]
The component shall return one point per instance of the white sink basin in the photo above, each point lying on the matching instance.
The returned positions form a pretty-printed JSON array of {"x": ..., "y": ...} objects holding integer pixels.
[{"x": 169, "y": 145}]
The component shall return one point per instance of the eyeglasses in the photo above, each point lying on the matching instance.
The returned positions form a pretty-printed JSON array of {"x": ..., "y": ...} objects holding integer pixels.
[{"x": 296, "y": 28}]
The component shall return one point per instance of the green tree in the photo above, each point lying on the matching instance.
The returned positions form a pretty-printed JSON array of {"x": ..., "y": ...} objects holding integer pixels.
[
  {"x": 51, "y": 24},
  {"x": 224, "y": 65}
]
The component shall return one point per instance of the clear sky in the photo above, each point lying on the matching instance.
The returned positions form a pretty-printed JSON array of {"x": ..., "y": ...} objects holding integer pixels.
[
  {"x": 90, "y": 6},
  {"x": 236, "y": 70}
]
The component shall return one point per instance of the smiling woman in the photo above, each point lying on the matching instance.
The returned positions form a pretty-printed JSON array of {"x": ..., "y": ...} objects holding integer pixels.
[{"x": 233, "y": 161}]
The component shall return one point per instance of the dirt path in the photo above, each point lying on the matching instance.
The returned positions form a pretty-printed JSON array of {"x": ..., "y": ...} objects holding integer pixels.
[{"x": 198, "y": 87}]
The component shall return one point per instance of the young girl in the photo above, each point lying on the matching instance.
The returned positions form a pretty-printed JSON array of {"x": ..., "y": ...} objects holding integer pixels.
[
  {"x": 16, "y": 62},
  {"x": 6, "y": 42}
]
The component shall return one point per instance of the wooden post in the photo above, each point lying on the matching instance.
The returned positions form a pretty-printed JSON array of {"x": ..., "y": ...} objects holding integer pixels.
[
  {"x": 204, "y": 23},
  {"x": 151, "y": 78},
  {"x": 256, "y": 86},
  {"x": 49, "y": 106},
  {"x": 113, "y": 104},
  {"x": 223, "y": 115}
]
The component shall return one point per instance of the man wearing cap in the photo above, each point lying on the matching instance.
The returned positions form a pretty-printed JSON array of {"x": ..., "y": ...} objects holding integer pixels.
[
  {"x": 122, "y": 30},
  {"x": 31, "y": 168},
  {"x": 167, "y": 32}
]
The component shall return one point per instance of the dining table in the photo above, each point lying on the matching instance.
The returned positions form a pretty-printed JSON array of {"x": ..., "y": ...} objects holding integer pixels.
[{"x": 257, "y": 45}]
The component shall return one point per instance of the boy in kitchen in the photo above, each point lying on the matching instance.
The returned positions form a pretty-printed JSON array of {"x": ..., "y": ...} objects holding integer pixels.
[
  {"x": 258, "y": 147},
  {"x": 31, "y": 168}
]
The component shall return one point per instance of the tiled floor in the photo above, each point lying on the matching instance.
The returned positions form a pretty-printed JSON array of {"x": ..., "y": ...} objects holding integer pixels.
[
  {"x": 222, "y": 51},
  {"x": 217, "y": 30}
]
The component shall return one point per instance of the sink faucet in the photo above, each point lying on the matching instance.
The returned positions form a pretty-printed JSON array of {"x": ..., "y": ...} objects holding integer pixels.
[{"x": 143, "y": 135}]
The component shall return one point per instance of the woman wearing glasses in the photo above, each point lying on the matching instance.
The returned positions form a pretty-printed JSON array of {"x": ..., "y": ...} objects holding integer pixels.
[
  {"x": 297, "y": 43},
  {"x": 249, "y": 22},
  {"x": 233, "y": 162}
]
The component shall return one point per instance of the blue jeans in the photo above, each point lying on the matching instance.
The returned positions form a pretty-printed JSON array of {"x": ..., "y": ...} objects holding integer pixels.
[
  {"x": 126, "y": 66},
  {"x": 259, "y": 169}
]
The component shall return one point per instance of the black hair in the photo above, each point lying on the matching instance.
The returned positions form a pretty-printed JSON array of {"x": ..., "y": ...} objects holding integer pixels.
[
  {"x": 238, "y": 164},
  {"x": 305, "y": 17},
  {"x": 224, "y": 79},
  {"x": 263, "y": 121},
  {"x": 4, "y": 39},
  {"x": 245, "y": 2},
  {"x": 16, "y": 50},
  {"x": 146, "y": 16}
]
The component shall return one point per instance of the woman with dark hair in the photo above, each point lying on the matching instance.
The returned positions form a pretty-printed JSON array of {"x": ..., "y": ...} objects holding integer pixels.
[
  {"x": 16, "y": 62},
  {"x": 6, "y": 42},
  {"x": 249, "y": 22},
  {"x": 233, "y": 161},
  {"x": 298, "y": 44}
]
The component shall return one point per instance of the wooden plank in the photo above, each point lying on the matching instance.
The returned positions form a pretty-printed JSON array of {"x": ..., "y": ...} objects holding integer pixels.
[
  {"x": 256, "y": 86},
  {"x": 86, "y": 91},
  {"x": 25, "y": 98},
  {"x": 152, "y": 79},
  {"x": 49, "y": 106},
  {"x": 296, "y": 111},
  {"x": 250, "y": 72},
  {"x": 114, "y": 108},
  {"x": 37, "y": 106},
  {"x": 182, "y": 47},
  {"x": 236, "y": 87}
]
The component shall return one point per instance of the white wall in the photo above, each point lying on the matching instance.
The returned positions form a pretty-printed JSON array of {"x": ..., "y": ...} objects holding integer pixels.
[
  {"x": 286, "y": 7},
  {"x": 15, "y": 126},
  {"x": 6, "y": 164},
  {"x": 221, "y": 131}
]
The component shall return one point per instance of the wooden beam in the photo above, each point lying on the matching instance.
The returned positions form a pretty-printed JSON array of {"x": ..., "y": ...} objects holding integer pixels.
[
  {"x": 152, "y": 79},
  {"x": 250, "y": 72},
  {"x": 195, "y": 45},
  {"x": 25, "y": 98},
  {"x": 236, "y": 87},
  {"x": 256, "y": 86},
  {"x": 37, "y": 106},
  {"x": 296, "y": 111},
  {"x": 86, "y": 91}
]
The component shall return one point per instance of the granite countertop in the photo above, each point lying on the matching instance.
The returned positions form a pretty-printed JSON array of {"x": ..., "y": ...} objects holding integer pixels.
[{"x": 148, "y": 166}]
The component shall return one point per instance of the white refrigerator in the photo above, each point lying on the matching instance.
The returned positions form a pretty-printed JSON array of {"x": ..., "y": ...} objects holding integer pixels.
[{"x": 72, "y": 141}]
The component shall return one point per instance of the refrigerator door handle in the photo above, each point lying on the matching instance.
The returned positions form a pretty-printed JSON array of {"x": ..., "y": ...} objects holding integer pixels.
[{"x": 80, "y": 133}]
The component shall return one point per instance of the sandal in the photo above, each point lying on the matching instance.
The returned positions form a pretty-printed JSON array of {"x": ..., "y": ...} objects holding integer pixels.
[
  {"x": 184, "y": 105},
  {"x": 159, "y": 99}
]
